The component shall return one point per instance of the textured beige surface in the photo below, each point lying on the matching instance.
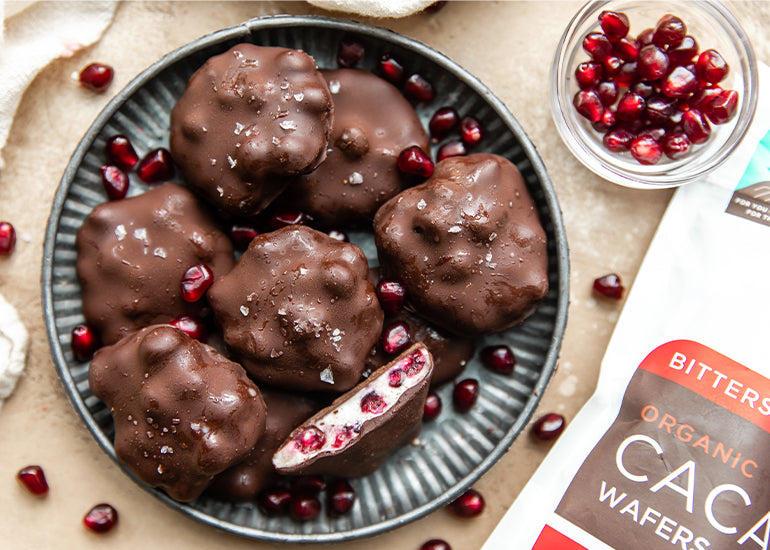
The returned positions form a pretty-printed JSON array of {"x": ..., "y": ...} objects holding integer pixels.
[{"x": 508, "y": 45}]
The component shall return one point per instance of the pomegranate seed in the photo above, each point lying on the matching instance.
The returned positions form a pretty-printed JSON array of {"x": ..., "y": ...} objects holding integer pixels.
[
  {"x": 618, "y": 139},
  {"x": 339, "y": 235},
  {"x": 442, "y": 122},
  {"x": 684, "y": 52},
  {"x": 680, "y": 83},
  {"x": 465, "y": 394},
  {"x": 627, "y": 74},
  {"x": 391, "y": 70},
  {"x": 471, "y": 131},
  {"x": 675, "y": 145},
  {"x": 396, "y": 337},
  {"x": 643, "y": 88},
  {"x": 609, "y": 286},
  {"x": 659, "y": 109},
  {"x": 670, "y": 31},
  {"x": 655, "y": 132},
  {"x": 711, "y": 67},
  {"x": 652, "y": 63},
  {"x": 284, "y": 218},
  {"x": 242, "y": 235},
  {"x": 392, "y": 295},
  {"x": 350, "y": 53},
  {"x": 196, "y": 281},
  {"x": 435, "y": 544},
  {"x": 626, "y": 49},
  {"x": 588, "y": 74},
  {"x": 451, "y": 149},
  {"x": 432, "y": 406},
  {"x": 304, "y": 508},
  {"x": 307, "y": 485},
  {"x": 120, "y": 152},
  {"x": 418, "y": 88},
  {"x": 340, "y": 497},
  {"x": 607, "y": 92},
  {"x": 612, "y": 65},
  {"x": 703, "y": 97},
  {"x": 722, "y": 108},
  {"x": 115, "y": 182},
  {"x": 499, "y": 358},
  {"x": 413, "y": 364},
  {"x": 33, "y": 478},
  {"x": 84, "y": 342},
  {"x": 548, "y": 426},
  {"x": 396, "y": 377},
  {"x": 156, "y": 166},
  {"x": 589, "y": 105},
  {"x": 696, "y": 126},
  {"x": 372, "y": 403},
  {"x": 646, "y": 150},
  {"x": 631, "y": 107},
  {"x": 645, "y": 37},
  {"x": 310, "y": 439},
  {"x": 193, "y": 327},
  {"x": 607, "y": 121},
  {"x": 7, "y": 238},
  {"x": 414, "y": 160},
  {"x": 597, "y": 45},
  {"x": 468, "y": 505},
  {"x": 96, "y": 77},
  {"x": 101, "y": 518},
  {"x": 615, "y": 25},
  {"x": 274, "y": 501}
]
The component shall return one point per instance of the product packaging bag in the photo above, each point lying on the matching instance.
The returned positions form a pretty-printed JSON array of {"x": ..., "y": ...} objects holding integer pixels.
[{"x": 673, "y": 449}]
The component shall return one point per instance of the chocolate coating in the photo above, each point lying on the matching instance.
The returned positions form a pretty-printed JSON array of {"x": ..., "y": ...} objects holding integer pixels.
[
  {"x": 373, "y": 123},
  {"x": 249, "y": 118},
  {"x": 467, "y": 245},
  {"x": 132, "y": 254},
  {"x": 285, "y": 411},
  {"x": 450, "y": 352},
  {"x": 378, "y": 437},
  {"x": 182, "y": 412},
  {"x": 299, "y": 310}
]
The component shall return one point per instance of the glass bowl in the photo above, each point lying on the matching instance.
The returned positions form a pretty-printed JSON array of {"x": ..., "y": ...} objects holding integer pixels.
[{"x": 713, "y": 27}]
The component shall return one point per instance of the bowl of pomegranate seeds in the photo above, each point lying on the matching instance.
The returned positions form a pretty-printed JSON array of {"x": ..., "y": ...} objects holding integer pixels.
[
  {"x": 459, "y": 443},
  {"x": 653, "y": 94}
]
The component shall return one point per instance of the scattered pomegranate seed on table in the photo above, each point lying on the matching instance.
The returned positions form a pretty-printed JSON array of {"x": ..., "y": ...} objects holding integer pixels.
[
  {"x": 156, "y": 166},
  {"x": 193, "y": 327},
  {"x": 120, "y": 152},
  {"x": 350, "y": 53},
  {"x": 443, "y": 122},
  {"x": 7, "y": 238},
  {"x": 307, "y": 485},
  {"x": 668, "y": 91},
  {"x": 274, "y": 501},
  {"x": 468, "y": 505},
  {"x": 432, "y": 407},
  {"x": 609, "y": 286},
  {"x": 340, "y": 497},
  {"x": 304, "y": 507},
  {"x": 391, "y": 70},
  {"x": 96, "y": 77},
  {"x": 451, "y": 149},
  {"x": 392, "y": 295},
  {"x": 101, "y": 518},
  {"x": 33, "y": 478},
  {"x": 196, "y": 281},
  {"x": 548, "y": 426},
  {"x": 284, "y": 218},
  {"x": 419, "y": 89},
  {"x": 499, "y": 358},
  {"x": 471, "y": 131},
  {"x": 396, "y": 337},
  {"x": 242, "y": 235},
  {"x": 339, "y": 235},
  {"x": 415, "y": 161},
  {"x": 436, "y": 544},
  {"x": 115, "y": 182},
  {"x": 84, "y": 342},
  {"x": 465, "y": 394}
]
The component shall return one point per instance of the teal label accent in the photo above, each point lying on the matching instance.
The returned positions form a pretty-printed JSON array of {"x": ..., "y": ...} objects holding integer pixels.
[{"x": 751, "y": 199}]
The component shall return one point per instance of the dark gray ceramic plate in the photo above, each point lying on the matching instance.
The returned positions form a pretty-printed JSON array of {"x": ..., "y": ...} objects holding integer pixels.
[{"x": 453, "y": 451}]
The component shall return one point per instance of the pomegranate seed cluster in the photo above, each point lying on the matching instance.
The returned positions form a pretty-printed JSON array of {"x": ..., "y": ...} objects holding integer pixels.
[{"x": 653, "y": 95}]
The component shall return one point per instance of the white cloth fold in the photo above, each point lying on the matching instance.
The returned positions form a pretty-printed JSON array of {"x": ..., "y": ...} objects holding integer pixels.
[{"x": 375, "y": 8}]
